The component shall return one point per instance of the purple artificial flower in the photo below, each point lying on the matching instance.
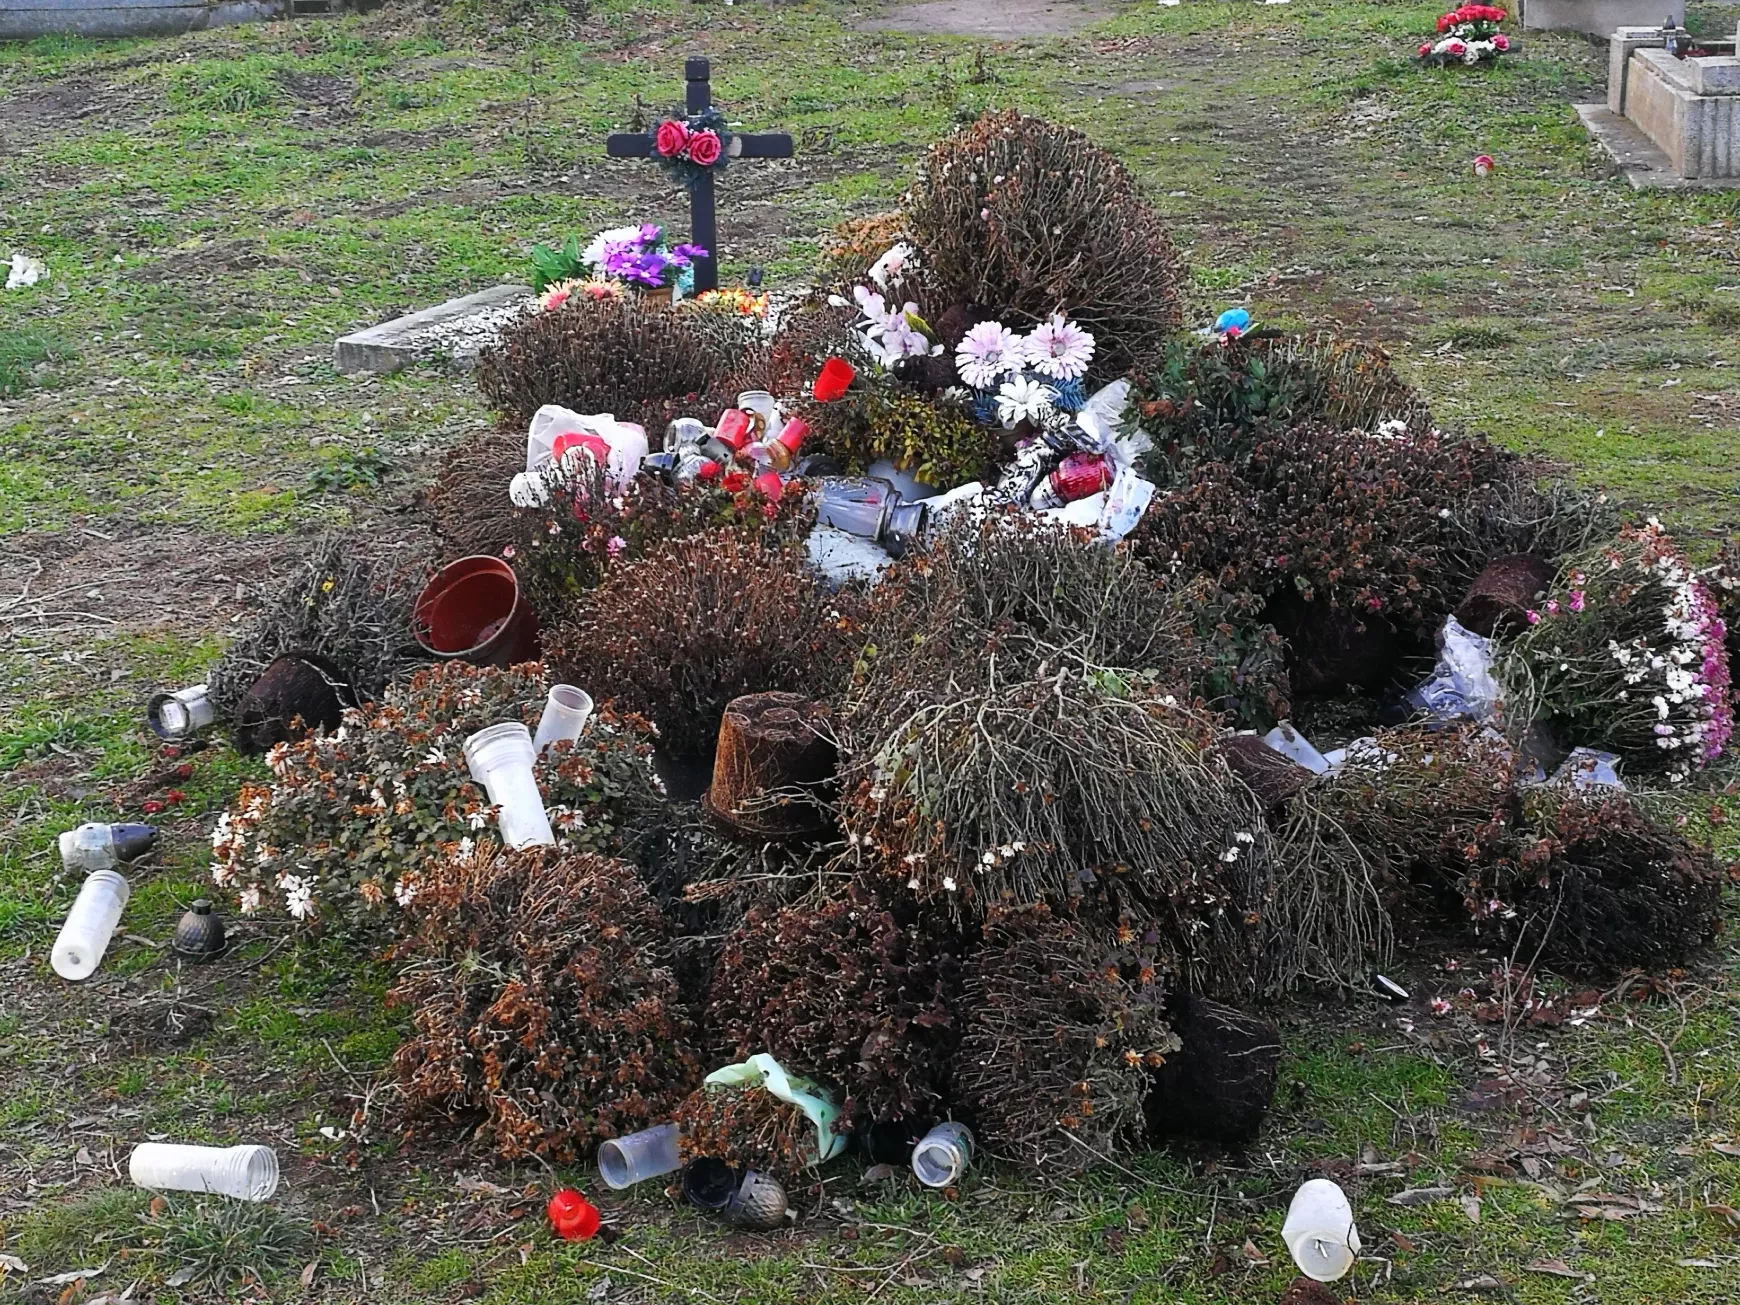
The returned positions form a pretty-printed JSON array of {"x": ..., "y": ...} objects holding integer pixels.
[
  {"x": 649, "y": 235},
  {"x": 649, "y": 270},
  {"x": 683, "y": 255}
]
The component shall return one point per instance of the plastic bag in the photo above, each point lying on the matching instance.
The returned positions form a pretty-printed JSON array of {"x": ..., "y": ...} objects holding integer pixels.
[
  {"x": 623, "y": 443},
  {"x": 1462, "y": 685},
  {"x": 1587, "y": 769},
  {"x": 1296, "y": 747},
  {"x": 1126, "y": 501},
  {"x": 764, "y": 1071}
]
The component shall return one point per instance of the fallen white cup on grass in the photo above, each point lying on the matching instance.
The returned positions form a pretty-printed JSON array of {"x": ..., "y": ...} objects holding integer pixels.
[{"x": 1319, "y": 1231}]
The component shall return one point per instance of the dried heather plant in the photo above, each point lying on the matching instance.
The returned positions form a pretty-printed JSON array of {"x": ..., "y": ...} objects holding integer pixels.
[
  {"x": 346, "y": 604},
  {"x": 1029, "y": 218},
  {"x": 1598, "y": 887},
  {"x": 642, "y": 362},
  {"x": 859, "y": 992},
  {"x": 700, "y": 621},
  {"x": 747, "y": 1128}
]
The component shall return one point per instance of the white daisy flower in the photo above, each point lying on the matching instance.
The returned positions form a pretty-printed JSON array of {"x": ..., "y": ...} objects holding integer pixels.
[{"x": 1023, "y": 399}]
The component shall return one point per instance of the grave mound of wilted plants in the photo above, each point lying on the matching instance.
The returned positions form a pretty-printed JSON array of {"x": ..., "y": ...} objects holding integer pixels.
[{"x": 1053, "y": 862}]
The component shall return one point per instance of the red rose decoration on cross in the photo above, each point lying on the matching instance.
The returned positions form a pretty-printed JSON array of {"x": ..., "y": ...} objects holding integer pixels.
[
  {"x": 673, "y": 138},
  {"x": 704, "y": 148}
]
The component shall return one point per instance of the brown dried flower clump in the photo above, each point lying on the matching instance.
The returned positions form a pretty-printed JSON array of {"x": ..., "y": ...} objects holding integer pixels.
[
  {"x": 643, "y": 362},
  {"x": 1065, "y": 1022},
  {"x": 860, "y": 993},
  {"x": 542, "y": 997},
  {"x": 699, "y": 621},
  {"x": 747, "y": 1128}
]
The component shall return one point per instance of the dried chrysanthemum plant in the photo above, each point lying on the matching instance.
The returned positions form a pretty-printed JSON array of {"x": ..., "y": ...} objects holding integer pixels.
[
  {"x": 542, "y": 996},
  {"x": 1628, "y": 653},
  {"x": 699, "y": 621},
  {"x": 861, "y": 992},
  {"x": 348, "y": 821}
]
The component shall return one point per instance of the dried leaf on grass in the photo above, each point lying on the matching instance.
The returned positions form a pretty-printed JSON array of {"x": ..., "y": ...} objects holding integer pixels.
[{"x": 1558, "y": 1269}]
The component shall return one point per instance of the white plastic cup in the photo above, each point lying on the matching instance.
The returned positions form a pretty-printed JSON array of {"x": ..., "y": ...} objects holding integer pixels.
[
  {"x": 90, "y": 924},
  {"x": 625, "y": 1161},
  {"x": 765, "y": 406},
  {"x": 180, "y": 714},
  {"x": 943, "y": 1154},
  {"x": 1319, "y": 1231},
  {"x": 500, "y": 759},
  {"x": 247, "y": 1173},
  {"x": 565, "y": 714}
]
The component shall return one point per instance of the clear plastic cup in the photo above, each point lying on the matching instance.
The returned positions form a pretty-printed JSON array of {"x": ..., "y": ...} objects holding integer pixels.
[
  {"x": 943, "y": 1154},
  {"x": 565, "y": 715},
  {"x": 180, "y": 714},
  {"x": 500, "y": 758},
  {"x": 625, "y": 1161},
  {"x": 1319, "y": 1231},
  {"x": 247, "y": 1173},
  {"x": 90, "y": 925}
]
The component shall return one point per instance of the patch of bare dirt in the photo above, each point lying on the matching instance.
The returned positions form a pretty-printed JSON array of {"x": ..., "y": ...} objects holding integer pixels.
[
  {"x": 218, "y": 257},
  {"x": 130, "y": 578},
  {"x": 1006, "y": 19}
]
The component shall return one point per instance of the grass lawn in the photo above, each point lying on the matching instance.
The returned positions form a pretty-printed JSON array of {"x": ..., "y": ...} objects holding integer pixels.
[{"x": 216, "y": 209}]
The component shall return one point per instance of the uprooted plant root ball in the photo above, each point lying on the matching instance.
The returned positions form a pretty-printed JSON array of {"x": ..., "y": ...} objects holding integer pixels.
[{"x": 1065, "y": 1022}]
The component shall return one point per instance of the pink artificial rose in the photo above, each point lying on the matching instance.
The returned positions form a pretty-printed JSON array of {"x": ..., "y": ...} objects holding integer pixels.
[
  {"x": 1500, "y": 42},
  {"x": 1552, "y": 607},
  {"x": 704, "y": 148},
  {"x": 1534, "y": 616},
  {"x": 1457, "y": 48},
  {"x": 673, "y": 137}
]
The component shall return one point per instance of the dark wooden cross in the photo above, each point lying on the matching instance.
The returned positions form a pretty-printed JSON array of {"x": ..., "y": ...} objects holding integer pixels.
[{"x": 703, "y": 222}]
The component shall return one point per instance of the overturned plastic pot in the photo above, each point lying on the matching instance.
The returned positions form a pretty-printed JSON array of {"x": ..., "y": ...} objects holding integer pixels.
[
  {"x": 708, "y": 1183},
  {"x": 473, "y": 611},
  {"x": 297, "y": 694}
]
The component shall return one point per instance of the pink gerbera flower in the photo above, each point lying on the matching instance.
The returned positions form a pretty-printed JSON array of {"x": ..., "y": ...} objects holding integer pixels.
[
  {"x": 1059, "y": 349},
  {"x": 985, "y": 353}
]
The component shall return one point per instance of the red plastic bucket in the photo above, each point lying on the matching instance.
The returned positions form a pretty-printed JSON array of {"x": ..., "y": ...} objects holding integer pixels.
[{"x": 473, "y": 611}]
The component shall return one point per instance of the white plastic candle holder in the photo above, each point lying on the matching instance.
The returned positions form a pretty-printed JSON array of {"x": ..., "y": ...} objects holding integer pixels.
[
  {"x": 500, "y": 758},
  {"x": 247, "y": 1173},
  {"x": 90, "y": 925},
  {"x": 1319, "y": 1231},
  {"x": 566, "y": 712}
]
